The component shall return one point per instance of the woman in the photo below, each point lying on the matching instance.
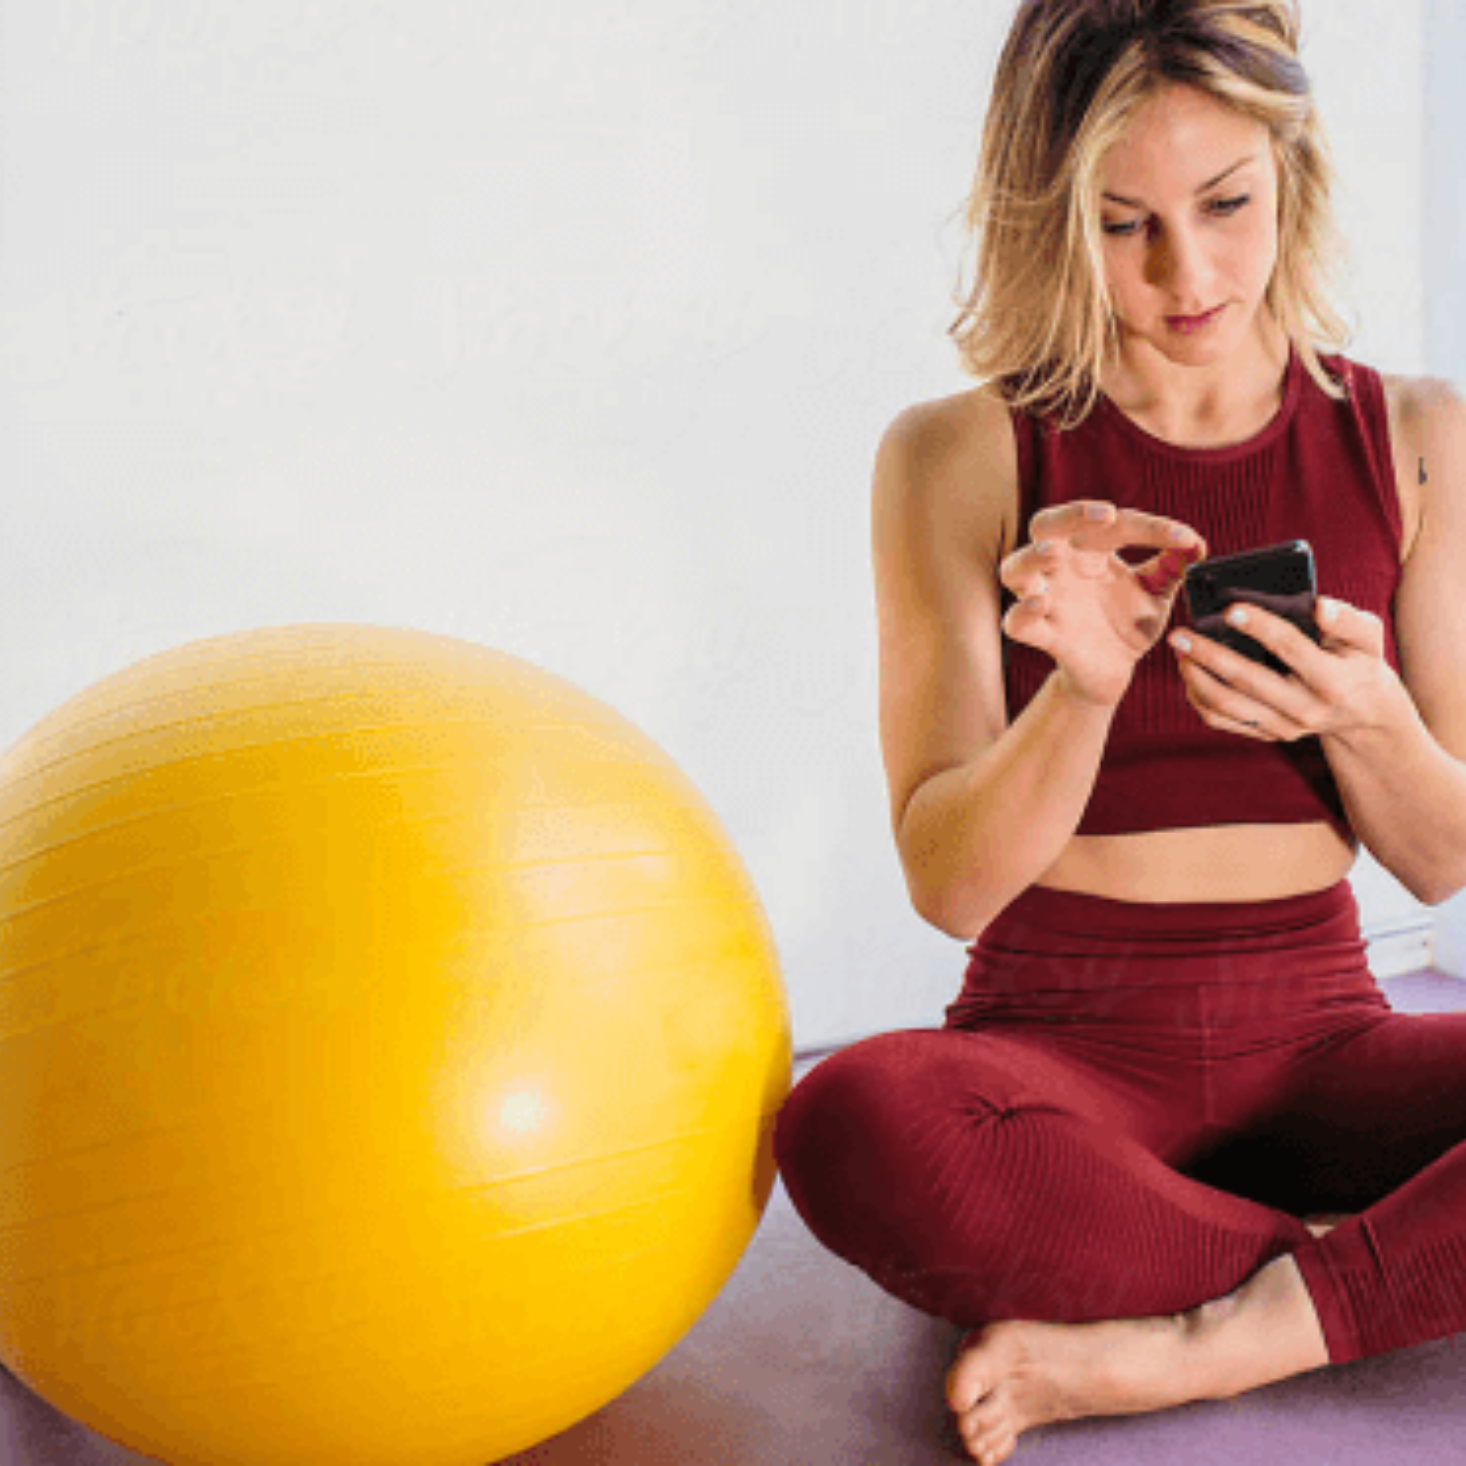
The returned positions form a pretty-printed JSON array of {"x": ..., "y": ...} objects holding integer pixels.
[{"x": 1169, "y": 1063}]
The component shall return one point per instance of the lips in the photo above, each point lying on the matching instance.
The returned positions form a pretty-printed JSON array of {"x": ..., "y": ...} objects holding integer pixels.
[{"x": 1193, "y": 320}]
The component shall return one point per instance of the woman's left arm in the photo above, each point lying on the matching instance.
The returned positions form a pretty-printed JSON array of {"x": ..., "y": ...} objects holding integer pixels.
[{"x": 1396, "y": 744}]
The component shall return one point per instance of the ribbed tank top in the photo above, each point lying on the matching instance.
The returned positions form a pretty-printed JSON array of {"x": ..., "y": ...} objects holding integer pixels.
[{"x": 1321, "y": 471}]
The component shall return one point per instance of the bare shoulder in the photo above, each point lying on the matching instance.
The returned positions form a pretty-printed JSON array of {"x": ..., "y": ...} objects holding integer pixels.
[
  {"x": 1408, "y": 397},
  {"x": 963, "y": 455},
  {"x": 1430, "y": 604},
  {"x": 1426, "y": 416}
]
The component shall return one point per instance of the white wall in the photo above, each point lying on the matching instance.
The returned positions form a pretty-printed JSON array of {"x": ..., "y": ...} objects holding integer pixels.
[
  {"x": 567, "y": 328},
  {"x": 1444, "y": 246}
]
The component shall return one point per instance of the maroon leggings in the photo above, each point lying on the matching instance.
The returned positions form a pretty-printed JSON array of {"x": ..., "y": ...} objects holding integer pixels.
[{"x": 1128, "y": 1112}]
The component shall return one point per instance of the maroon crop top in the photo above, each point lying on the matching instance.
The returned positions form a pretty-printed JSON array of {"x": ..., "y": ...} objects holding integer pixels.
[{"x": 1321, "y": 471}]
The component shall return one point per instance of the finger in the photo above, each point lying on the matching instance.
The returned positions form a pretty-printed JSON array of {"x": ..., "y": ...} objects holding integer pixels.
[
  {"x": 1232, "y": 692},
  {"x": 1341, "y": 622},
  {"x": 1062, "y": 522},
  {"x": 1024, "y": 580},
  {"x": 1279, "y": 635},
  {"x": 1095, "y": 524},
  {"x": 1219, "y": 705},
  {"x": 1023, "y": 567},
  {"x": 1135, "y": 527},
  {"x": 1059, "y": 520},
  {"x": 1026, "y": 621},
  {"x": 1220, "y": 664},
  {"x": 1161, "y": 574}
]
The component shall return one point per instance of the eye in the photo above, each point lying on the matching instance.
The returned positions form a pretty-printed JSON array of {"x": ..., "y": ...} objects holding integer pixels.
[{"x": 1225, "y": 208}]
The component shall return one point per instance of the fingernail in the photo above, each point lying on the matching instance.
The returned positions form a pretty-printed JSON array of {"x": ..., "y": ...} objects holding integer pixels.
[
  {"x": 1181, "y": 642},
  {"x": 1330, "y": 609},
  {"x": 1237, "y": 616},
  {"x": 1096, "y": 511},
  {"x": 1179, "y": 533}
]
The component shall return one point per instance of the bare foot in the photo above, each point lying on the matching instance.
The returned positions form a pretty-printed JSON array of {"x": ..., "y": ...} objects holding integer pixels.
[{"x": 1014, "y": 1375}]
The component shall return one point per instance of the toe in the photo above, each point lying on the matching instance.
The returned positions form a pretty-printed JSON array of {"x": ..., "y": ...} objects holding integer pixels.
[
  {"x": 985, "y": 1430},
  {"x": 967, "y": 1378},
  {"x": 988, "y": 1448},
  {"x": 966, "y": 1385},
  {"x": 964, "y": 1392}
]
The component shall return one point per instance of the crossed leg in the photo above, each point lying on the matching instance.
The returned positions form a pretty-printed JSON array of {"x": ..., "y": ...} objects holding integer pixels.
[
  {"x": 986, "y": 1178},
  {"x": 1375, "y": 1126}
]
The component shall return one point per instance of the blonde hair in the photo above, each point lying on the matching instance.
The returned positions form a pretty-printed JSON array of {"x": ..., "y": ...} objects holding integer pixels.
[{"x": 1072, "y": 75}]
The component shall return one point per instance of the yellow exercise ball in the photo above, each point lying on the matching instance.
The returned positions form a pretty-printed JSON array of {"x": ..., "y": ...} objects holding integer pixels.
[{"x": 390, "y": 1042}]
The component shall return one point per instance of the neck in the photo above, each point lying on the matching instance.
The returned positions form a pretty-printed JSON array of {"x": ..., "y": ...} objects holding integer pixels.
[{"x": 1146, "y": 383}]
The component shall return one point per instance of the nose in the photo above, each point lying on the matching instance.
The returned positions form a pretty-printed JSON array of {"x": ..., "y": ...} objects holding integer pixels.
[{"x": 1176, "y": 263}]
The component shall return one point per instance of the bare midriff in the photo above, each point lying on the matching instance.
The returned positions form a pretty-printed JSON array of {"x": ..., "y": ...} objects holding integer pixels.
[{"x": 1219, "y": 863}]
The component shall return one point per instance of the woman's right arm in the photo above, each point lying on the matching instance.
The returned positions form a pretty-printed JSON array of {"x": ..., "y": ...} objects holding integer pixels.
[{"x": 981, "y": 808}]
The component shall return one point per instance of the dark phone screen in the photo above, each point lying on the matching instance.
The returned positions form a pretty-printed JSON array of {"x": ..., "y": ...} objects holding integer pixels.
[{"x": 1279, "y": 578}]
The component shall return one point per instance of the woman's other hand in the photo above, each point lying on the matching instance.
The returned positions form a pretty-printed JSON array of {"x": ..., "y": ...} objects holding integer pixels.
[
  {"x": 1341, "y": 687},
  {"x": 1093, "y": 613}
]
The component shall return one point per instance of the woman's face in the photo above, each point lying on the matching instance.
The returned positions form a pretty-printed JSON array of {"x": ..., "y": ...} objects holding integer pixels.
[{"x": 1186, "y": 243}]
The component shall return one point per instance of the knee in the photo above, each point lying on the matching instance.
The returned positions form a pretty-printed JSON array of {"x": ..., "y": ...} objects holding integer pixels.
[
  {"x": 897, "y": 1153},
  {"x": 857, "y": 1130},
  {"x": 852, "y": 1092},
  {"x": 837, "y": 1130}
]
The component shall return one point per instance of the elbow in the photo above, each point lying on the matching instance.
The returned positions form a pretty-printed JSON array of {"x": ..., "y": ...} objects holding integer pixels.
[
  {"x": 957, "y": 907},
  {"x": 959, "y": 931},
  {"x": 942, "y": 909},
  {"x": 1432, "y": 882},
  {"x": 1434, "y": 893}
]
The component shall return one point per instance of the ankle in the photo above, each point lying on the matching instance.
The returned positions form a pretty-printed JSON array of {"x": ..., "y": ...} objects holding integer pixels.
[
  {"x": 1215, "y": 1341},
  {"x": 1265, "y": 1330}
]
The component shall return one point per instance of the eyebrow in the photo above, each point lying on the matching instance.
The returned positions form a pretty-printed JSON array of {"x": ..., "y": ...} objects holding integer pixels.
[{"x": 1135, "y": 204}]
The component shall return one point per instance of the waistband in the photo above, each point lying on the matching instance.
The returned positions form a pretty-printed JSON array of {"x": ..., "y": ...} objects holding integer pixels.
[
  {"x": 1068, "y": 941},
  {"x": 1040, "y": 918}
]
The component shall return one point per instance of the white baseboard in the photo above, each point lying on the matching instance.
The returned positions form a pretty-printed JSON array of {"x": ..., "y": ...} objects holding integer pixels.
[{"x": 1395, "y": 948}]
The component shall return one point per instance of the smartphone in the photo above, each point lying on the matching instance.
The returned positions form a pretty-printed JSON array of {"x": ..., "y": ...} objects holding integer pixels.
[{"x": 1279, "y": 578}]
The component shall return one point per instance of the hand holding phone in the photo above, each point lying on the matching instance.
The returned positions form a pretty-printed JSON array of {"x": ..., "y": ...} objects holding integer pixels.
[{"x": 1279, "y": 578}]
